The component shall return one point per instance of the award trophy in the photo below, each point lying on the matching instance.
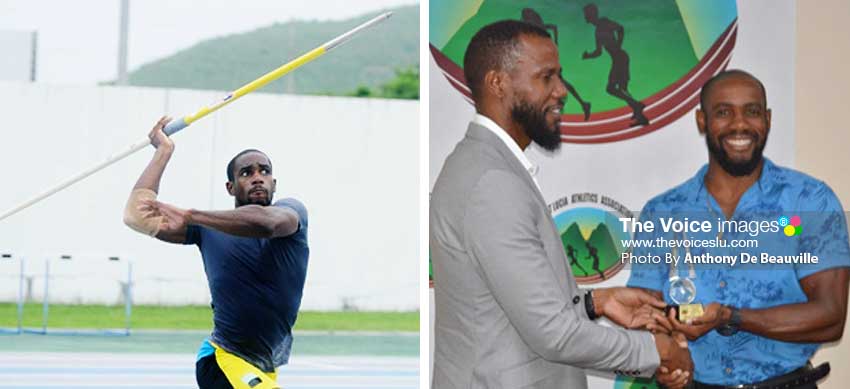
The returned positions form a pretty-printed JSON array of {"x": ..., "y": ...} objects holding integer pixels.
[{"x": 683, "y": 291}]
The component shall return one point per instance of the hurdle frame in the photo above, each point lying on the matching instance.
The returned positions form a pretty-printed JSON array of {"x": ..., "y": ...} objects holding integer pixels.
[{"x": 45, "y": 330}]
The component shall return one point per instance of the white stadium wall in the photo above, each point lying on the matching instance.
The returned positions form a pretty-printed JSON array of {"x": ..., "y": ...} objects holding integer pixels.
[
  {"x": 19, "y": 55},
  {"x": 353, "y": 162}
]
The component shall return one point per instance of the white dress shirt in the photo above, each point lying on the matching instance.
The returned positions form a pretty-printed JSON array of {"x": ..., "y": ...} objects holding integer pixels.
[{"x": 512, "y": 146}]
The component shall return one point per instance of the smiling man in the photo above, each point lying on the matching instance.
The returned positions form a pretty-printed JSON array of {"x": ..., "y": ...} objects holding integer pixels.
[
  {"x": 762, "y": 322},
  {"x": 508, "y": 312},
  {"x": 255, "y": 257}
]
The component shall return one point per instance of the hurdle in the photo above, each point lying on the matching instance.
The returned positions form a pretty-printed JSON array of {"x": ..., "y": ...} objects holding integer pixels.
[
  {"x": 18, "y": 329},
  {"x": 44, "y": 329}
]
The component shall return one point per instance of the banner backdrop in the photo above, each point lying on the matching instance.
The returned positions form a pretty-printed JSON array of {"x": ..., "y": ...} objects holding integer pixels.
[{"x": 634, "y": 71}]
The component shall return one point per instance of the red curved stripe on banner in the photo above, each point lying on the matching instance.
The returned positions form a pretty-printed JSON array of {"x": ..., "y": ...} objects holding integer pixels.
[
  {"x": 595, "y": 279},
  {"x": 452, "y": 70},
  {"x": 594, "y": 133},
  {"x": 657, "y": 124}
]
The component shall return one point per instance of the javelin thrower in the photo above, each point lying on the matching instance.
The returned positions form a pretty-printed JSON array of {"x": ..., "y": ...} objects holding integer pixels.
[{"x": 255, "y": 256}]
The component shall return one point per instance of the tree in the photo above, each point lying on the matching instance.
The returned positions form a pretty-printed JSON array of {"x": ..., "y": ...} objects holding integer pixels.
[
  {"x": 405, "y": 85},
  {"x": 362, "y": 91}
]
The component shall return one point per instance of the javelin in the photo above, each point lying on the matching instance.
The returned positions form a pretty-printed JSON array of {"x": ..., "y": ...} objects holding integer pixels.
[{"x": 187, "y": 120}]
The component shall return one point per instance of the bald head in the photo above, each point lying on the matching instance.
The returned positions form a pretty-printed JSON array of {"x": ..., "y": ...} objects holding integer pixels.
[{"x": 705, "y": 93}]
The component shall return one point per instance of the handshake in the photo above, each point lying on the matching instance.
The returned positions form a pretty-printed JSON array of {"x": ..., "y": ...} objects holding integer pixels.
[{"x": 637, "y": 309}]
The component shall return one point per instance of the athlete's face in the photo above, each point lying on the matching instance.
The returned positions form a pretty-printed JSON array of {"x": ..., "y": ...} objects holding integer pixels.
[
  {"x": 253, "y": 182},
  {"x": 735, "y": 122},
  {"x": 538, "y": 93}
]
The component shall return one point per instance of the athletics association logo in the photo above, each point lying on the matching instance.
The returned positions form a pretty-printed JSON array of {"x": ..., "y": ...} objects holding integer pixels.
[
  {"x": 790, "y": 226},
  {"x": 630, "y": 67},
  {"x": 591, "y": 234}
]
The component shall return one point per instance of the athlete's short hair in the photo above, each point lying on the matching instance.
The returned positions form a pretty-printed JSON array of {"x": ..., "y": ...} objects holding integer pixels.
[{"x": 230, "y": 175}]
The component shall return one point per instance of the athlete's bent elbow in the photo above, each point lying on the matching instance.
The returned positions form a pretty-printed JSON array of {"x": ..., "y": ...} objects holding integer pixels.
[{"x": 137, "y": 219}]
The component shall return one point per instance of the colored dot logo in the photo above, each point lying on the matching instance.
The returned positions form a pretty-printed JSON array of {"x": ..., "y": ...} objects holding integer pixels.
[{"x": 790, "y": 227}]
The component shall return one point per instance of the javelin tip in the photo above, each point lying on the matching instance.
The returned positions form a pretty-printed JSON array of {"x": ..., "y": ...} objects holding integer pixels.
[{"x": 345, "y": 37}]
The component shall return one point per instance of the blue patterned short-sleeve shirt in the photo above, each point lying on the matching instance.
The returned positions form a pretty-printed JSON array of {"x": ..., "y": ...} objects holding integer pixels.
[{"x": 820, "y": 232}]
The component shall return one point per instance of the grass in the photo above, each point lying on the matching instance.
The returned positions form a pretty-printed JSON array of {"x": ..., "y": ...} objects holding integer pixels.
[{"x": 195, "y": 318}]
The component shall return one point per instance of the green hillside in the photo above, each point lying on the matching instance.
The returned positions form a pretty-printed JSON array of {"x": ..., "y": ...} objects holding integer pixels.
[
  {"x": 607, "y": 251},
  {"x": 228, "y": 62},
  {"x": 572, "y": 237},
  {"x": 600, "y": 238}
]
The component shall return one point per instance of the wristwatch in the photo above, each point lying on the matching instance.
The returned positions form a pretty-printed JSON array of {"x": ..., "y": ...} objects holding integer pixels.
[
  {"x": 733, "y": 325},
  {"x": 588, "y": 305}
]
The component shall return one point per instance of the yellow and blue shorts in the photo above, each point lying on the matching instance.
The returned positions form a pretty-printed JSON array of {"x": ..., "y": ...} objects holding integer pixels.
[{"x": 218, "y": 369}]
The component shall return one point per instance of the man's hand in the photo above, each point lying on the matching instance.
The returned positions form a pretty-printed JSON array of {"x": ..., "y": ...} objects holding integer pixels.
[
  {"x": 585, "y": 55},
  {"x": 652, "y": 319},
  {"x": 714, "y": 316},
  {"x": 676, "y": 368},
  {"x": 631, "y": 308},
  {"x": 174, "y": 219},
  {"x": 676, "y": 379},
  {"x": 158, "y": 138}
]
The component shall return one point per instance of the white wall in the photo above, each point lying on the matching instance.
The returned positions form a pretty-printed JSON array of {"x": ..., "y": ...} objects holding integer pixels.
[
  {"x": 822, "y": 86},
  {"x": 353, "y": 162},
  {"x": 18, "y": 49}
]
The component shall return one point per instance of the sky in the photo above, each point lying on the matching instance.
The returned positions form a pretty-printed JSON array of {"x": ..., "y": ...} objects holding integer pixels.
[{"x": 78, "y": 40}]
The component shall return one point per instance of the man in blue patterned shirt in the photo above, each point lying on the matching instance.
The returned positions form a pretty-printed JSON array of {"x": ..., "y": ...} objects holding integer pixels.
[{"x": 767, "y": 312}]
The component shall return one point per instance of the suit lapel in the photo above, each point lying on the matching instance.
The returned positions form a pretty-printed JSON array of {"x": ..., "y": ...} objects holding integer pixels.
[
  {"x": 559, "y": 262},
  {"x": 479, "y": 133}
]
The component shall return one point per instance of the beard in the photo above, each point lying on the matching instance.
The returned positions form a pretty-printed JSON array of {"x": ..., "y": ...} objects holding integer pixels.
[
  {"x": 264, "y": 203},
  {"x": 736, "y": 168},
  {"x": 248, "y": 200},
  {"x": 533, "y": 123}
]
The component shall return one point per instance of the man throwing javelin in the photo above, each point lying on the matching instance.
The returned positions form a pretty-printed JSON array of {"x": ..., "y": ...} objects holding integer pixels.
[{"x": 255, "y": 257}]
